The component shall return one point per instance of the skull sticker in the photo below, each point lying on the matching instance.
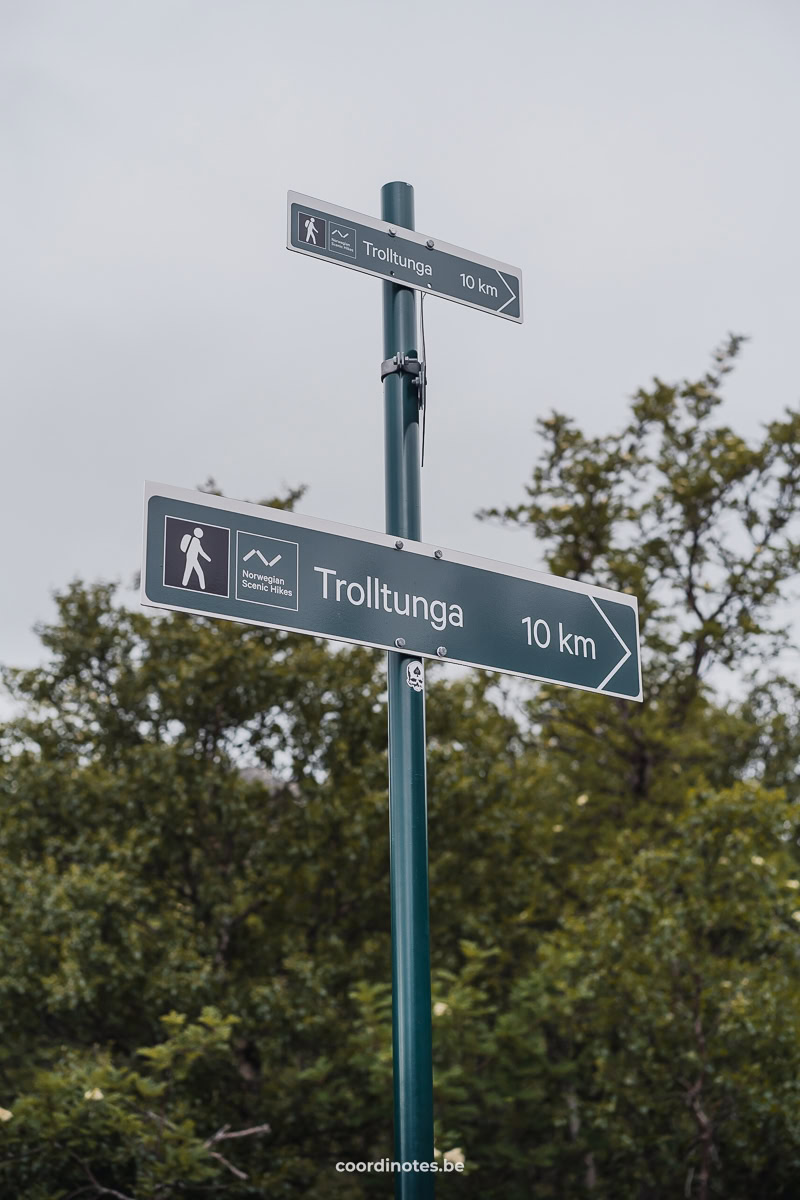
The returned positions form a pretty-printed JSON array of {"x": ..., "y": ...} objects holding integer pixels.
[{"x": 414, "y": 676}]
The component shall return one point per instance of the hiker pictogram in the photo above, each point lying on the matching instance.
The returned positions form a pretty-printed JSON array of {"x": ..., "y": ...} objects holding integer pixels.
[
  {"x": 191, "y": 547},
  {"x": 196, "y": 557},
  {"x": 312, "y": 230}
]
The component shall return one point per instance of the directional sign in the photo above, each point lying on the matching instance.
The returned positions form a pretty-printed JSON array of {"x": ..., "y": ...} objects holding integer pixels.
[
  {"x": 263, "y": 566},
  {"x": 403, "y": 256}
]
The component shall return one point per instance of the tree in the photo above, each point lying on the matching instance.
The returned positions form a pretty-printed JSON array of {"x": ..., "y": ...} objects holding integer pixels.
[{"x": 703, "y": 528}]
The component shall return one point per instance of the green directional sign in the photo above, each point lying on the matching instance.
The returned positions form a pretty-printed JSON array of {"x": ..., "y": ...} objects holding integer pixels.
[
  {"x": 403, "y": 256},
  {"x": 263, "y": 566}
]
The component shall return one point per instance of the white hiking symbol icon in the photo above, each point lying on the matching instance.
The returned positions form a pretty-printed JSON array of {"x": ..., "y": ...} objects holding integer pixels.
[
  {"x": 190, "y": 545},
  {"x": 311, "y": 230},
  {"x": 414, "y": 677}
]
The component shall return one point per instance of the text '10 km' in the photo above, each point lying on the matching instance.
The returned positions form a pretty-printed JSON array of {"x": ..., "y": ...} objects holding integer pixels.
[
  {"x": 539, "y": 635},
  {"x": 470, "y": 282}
]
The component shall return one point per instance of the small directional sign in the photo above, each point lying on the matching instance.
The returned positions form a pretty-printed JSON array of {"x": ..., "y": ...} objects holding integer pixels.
[
  {"x": 403, "y": 256},
  {"x": 263, "y": 566}
]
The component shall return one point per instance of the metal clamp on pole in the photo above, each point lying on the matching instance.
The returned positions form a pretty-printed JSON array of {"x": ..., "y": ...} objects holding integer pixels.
[{"x": 403, "y": 364}]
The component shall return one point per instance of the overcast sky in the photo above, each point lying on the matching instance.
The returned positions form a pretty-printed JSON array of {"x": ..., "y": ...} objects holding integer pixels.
[{"x": 638, "y": 162}]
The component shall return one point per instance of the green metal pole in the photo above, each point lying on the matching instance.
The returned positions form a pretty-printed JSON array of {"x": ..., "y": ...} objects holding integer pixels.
[{"x": 408, "y": 816}]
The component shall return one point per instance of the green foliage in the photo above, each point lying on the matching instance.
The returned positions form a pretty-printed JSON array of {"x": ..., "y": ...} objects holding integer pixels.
[
  {"x": 195, "y": 960},
  {"x": 86, "y": 1119},
  {"x": 667, "y": 1039}
]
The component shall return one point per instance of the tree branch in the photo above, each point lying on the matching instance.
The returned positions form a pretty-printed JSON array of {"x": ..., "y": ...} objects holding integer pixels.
[
  {"x": 234, "y": 1170},
  {"x": 223, "y": 1134}
]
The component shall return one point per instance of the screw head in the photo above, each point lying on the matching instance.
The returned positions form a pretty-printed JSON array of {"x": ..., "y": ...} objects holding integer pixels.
[
  {"x": 437, "y": 554},
  {"x": 392, "y": 231},
  {"x": 400, "y": 643},
  {"x": 429, "y": 243},
  {"x": 441, "y": 651},
  {"x": 398, "y": 545}
]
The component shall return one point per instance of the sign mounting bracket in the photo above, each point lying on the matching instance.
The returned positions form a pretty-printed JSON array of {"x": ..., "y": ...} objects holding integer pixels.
[{"x": 403, "y": 364}]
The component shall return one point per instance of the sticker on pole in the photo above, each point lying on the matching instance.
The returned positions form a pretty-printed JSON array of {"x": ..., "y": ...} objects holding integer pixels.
[{"x": 414, "y": 676}]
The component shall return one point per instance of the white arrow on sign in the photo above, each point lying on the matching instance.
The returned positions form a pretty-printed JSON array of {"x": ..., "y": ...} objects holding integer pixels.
[
  {"x": 512, "y": 293},
  {"x": 627, "y": 649}
]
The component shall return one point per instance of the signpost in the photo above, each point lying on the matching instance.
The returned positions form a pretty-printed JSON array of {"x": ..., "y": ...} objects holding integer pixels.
[
  {"x": 263, "y": 566},
  {"x": 391, "y": 250}
]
